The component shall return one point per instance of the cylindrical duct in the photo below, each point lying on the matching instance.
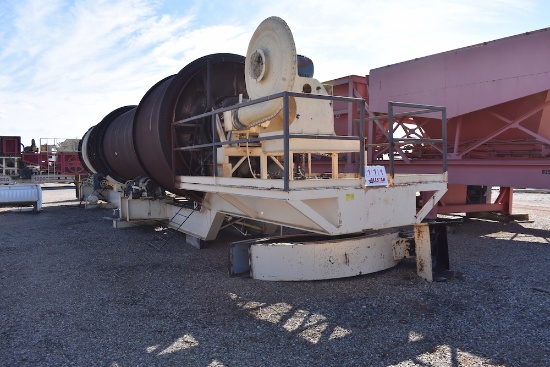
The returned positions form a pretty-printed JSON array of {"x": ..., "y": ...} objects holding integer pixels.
[
  {"x": 119, "y": 150},
  {"x": 139, "y": 140},
  {"x": 205, "y": 84},
  {"x": 152, "y": 138},
  {"x": 101, "y": 144}
]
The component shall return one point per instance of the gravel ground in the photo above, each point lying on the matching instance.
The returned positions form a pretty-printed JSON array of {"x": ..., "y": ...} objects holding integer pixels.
[{"x": 76, "y": 292}]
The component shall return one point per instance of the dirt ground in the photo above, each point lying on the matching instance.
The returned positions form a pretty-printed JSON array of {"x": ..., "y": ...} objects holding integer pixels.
[{"x": 77, "y": 292}]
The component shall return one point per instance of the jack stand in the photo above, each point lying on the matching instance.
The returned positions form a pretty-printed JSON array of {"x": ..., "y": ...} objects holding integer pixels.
[
  {"x": 432, "y": 252},
  {"x": 423, "y": 251}
]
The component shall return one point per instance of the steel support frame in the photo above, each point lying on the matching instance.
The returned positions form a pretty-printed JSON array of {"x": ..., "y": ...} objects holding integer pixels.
[
  {"x": 502, "y": 204},
  {"x": 419, "y": 109},
  {"x": 286, "y": 136},
  {"x": 510, "y": 124},
  {"x": 9, "y": 160},
  {"x": 331, "y": 207},
  {"x": 326, "y": 210},
  {"x": 464, "y": 171},
  {"x": 457, "y": 153}
]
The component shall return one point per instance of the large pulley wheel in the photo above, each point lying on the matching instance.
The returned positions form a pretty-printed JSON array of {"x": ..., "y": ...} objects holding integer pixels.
[{"x": 270, "y": 65}]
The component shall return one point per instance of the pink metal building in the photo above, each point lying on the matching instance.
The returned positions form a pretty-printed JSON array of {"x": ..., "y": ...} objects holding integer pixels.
[{"x": 497, "y": 96}]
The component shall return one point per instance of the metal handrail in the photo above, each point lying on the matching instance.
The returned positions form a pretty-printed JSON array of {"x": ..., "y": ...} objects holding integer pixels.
[
  {"x": 286, "y": 136},
  {"x": 421, "y": 109}
]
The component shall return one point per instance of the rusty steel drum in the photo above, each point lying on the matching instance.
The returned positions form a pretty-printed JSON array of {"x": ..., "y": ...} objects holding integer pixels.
[
  {"x": 99, "y": 154},
  {"x": 133, "y": 141}
]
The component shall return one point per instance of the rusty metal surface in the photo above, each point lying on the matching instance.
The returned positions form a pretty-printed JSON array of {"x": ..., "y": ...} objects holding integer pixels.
[
  {"x": 175, "y": 98},
  {"x": 92, "y": 155},
  {"x": 404, "y": 248},
  {"x": 423, "y": 251},
  {"x": 152, "y": 139},
  {"x": 226, "y": 83},
  {"x": 133, "y": 141},
  {"x": 118, "y": 147}
]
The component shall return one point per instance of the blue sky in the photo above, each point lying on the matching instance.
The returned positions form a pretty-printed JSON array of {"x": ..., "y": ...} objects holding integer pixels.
[{"x": 65, "y": 64}]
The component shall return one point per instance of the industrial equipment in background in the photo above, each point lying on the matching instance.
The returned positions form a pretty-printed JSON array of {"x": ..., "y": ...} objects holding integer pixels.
[
  {"x": 497, "y": 96},
  {"x": 234, "y": 139},
  {"x": 23, "y": 169},
  {"x": 53, "y": 161}
]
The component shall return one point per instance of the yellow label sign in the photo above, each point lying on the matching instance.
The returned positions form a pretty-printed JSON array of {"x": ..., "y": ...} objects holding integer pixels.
[{"x": 350, "y": 197}]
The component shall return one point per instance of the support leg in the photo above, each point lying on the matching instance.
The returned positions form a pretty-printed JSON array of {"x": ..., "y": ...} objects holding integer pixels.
[
  {"x": 505, "y": 196},
  {"x": 423, "y": 251},
  {"x": 335, "y": 165}
]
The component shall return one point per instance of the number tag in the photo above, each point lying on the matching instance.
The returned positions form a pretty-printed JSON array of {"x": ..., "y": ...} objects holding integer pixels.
[{"x": 376, "y": 176}]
